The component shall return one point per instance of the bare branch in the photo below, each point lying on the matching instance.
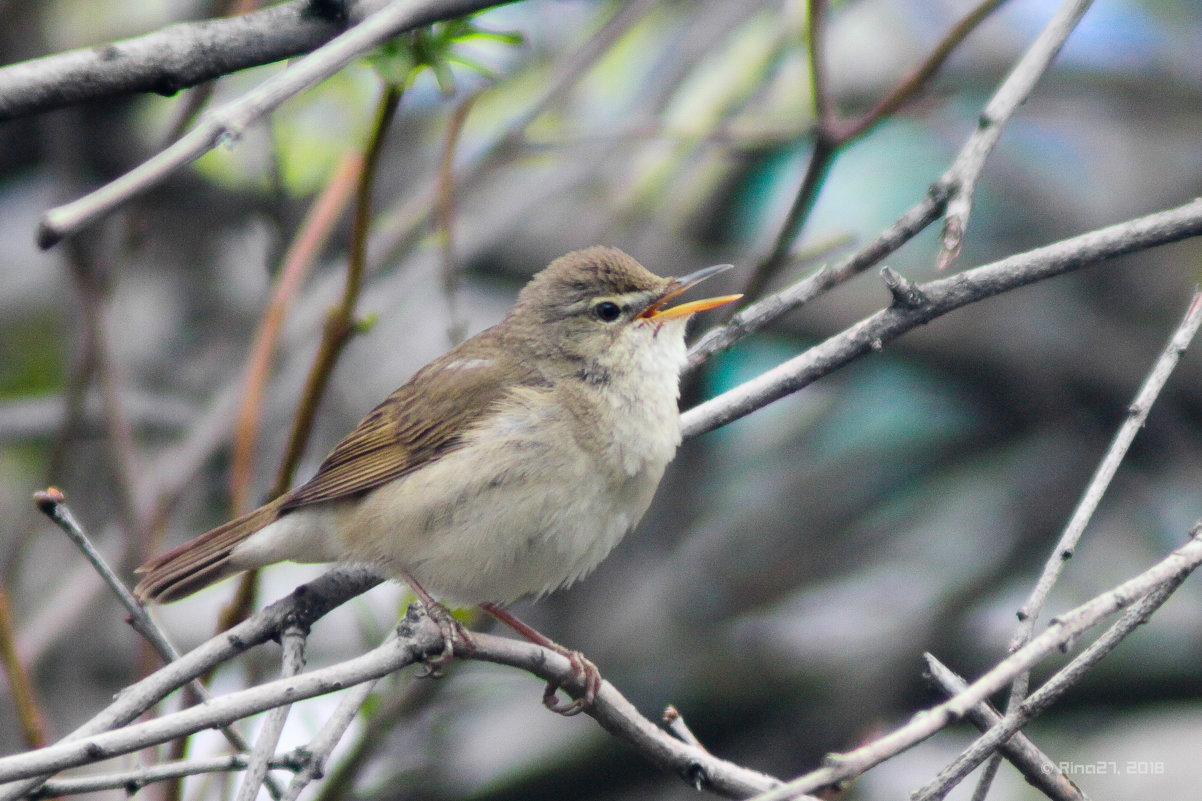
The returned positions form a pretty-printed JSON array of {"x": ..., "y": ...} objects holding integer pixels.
[
  {"x": 417, "y": 636},
  {"x": 944, "y": 295},
  {"x": 319, "y": 749},
  {"x": 421, "y": 638},
  {"x": 292, "y": 663},
  {"x": 227, "y": 123},
  {"x": 309, "y": 602},
  {"x": 966, "y": 166},
  {"x": 133, "y": 780},
  {"x": 1137, "y": 415},
  {"x": 1036, "y": 766},
  {"x": 758, "y": 315},
  {"x": 1095, "y": 489},
  {"x": 832, "y": 134},
  {"x": 171, "y": 59},
  {"x": 1070, "y": 674},
  {"x": 1156, "y": 584},
  {"x": 1013, "y": 92},
  {"x": 24, "y": 699}
]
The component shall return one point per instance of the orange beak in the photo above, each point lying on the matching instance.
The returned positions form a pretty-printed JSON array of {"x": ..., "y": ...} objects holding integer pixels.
[{"x": 677, "y": 286}]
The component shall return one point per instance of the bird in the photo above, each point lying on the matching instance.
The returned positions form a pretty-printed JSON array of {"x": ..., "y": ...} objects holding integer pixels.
[{"x": 509, "y": 467}]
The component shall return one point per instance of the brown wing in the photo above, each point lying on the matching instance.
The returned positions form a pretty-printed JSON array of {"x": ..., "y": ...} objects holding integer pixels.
[{"x": 418, "y": 423}]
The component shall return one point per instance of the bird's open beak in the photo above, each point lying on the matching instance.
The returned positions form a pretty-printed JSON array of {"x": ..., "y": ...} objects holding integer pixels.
[{"x": 678, "y": 286}]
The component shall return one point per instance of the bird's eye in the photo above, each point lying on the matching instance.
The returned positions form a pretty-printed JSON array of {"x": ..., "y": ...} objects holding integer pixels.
[{"x": 607, "y": 311}]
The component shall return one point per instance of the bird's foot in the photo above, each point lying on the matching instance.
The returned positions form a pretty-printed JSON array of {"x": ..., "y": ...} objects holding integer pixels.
[
  {"x": 451, "y": 630},
  {"x": 585, "y": 673}
]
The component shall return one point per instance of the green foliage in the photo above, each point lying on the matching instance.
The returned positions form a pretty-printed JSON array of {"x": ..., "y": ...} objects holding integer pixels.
[
  {"x": 401, "y": 60},
  {"x": 312, "y": 132}
]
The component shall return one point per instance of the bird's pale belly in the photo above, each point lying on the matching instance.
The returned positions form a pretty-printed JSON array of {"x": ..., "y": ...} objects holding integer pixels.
[
  {"x": 529, "y": 526},
  {"x": 518, "y": 509}
]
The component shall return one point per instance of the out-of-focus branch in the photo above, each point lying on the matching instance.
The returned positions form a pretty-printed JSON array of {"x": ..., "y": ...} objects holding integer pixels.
[
  {"x": 399, "y": 226},
  {"x": 832, "y": 134},
  {"x": 1011, "y": 94},
  {"x": 445, "y": 214},
  {"x": 227, "y": 123},
  {"x": 1143, "y": 593},
  {"x": 24, "y": 700},
  {"x": 302, "y": 253},
  {"x": 339, "y": 325},
  {"x": 92, "y": 284},
  {"x": 942, "y": 296},
  {"x": 52, "y": 503}
]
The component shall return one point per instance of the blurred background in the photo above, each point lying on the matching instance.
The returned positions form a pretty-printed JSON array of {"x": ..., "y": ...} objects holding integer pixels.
[{"x": 795, "y": 564}]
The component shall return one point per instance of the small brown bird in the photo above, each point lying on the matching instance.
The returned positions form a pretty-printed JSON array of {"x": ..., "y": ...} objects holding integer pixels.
[{"x": 510, "y": 466}]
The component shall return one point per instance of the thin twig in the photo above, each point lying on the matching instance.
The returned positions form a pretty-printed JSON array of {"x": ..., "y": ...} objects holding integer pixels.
[
  {"x": 93, "y": 287},
  {"x": 228, "y": 122},
  {"x": 313, "y": 233},
  {"x": 400, "y": 225},
  {"x": 418, "y": 636},
  {"x": 1036, "y": 766},
  {"x": 310, "y": 601},
  {"x": 318, "y": 751},
  {"x": 292, "y": 662},
  {"x": 1137, "y": 415},
  {"x": 340, "y": 321},
  {"x": 832, "y": 134},
  {"x": 916, "y": 81},
  {"x": 1063, "y": 680},
  {"x": 220, "y": 711},
  {"x": 675, "y": 723},
  {"x": 133, "y": 780},
  {"x": 1010, "y": 95},
  {"x": 944, "y": 295},
  {"x": 53, "y": 504},
  {"x": 758, "y": 315},
  {"x": 445, "y": 215},
  {"x": 339, "y": 326},
  {"x": 24, "y": 699},
  {"x": 1155, "y": 583},
  {"x": 1002, "y": 105}
]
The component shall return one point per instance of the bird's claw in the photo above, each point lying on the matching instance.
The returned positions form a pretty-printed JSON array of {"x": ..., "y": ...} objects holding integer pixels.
[
  {"x": 586, "y": 674},
  {"x": 451, "y": 630}
]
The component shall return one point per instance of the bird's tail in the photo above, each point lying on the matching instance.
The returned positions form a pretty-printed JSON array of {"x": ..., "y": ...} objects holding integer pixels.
[{"x": 201, "y": 561}]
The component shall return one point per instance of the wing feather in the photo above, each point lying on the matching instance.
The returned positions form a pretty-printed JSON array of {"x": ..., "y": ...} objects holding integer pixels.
[{"x": 418, "y": 423}]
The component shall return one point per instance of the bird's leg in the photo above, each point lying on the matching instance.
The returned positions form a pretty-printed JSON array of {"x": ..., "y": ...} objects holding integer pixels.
[
  {"x": 582, "y": 669},
  {"x": 447, "y": 625}
]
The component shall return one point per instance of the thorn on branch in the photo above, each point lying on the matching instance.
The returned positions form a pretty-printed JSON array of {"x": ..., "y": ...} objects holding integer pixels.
[{"x": 905, "y": 293}]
